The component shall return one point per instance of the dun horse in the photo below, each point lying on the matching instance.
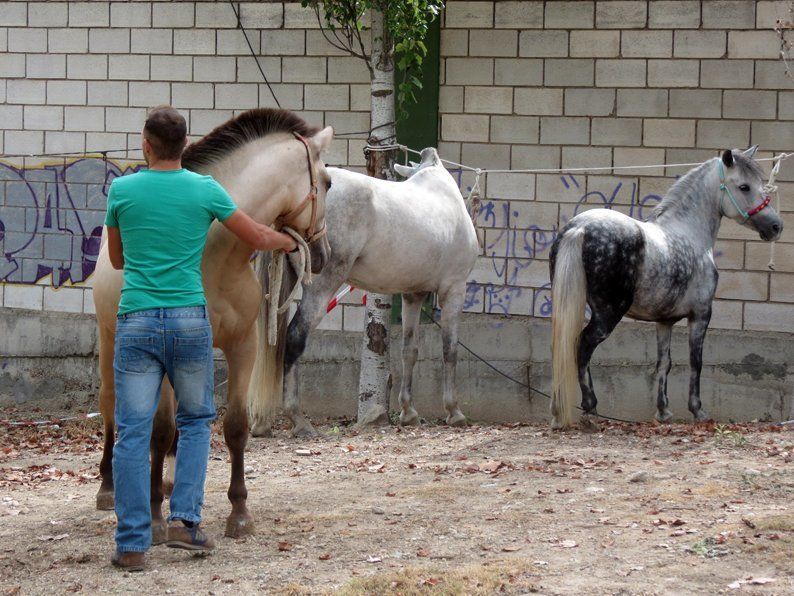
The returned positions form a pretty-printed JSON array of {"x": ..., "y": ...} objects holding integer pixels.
[
  {"x": 661, "y": 270},
  {"x": 412, "y": 238},
  {"x": 269, "y": 162}
]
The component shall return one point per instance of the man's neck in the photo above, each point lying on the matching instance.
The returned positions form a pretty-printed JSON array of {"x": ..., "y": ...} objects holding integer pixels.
[{"x": 165, "y": 165}]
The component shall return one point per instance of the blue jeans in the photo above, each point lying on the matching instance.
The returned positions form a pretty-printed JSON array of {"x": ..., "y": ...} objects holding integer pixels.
[{"x": 149, "y": 345}]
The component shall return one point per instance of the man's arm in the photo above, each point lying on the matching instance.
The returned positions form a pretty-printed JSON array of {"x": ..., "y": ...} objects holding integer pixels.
[
  {"x": 256, "y": 235},
  {"x": 115, "y": 249}
]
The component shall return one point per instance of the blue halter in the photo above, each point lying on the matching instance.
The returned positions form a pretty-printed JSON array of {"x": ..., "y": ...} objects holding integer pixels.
[{"x": 725, "y": 190}]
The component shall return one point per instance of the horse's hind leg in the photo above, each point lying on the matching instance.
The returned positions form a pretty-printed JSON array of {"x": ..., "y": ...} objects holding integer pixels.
[
  {"x": 163, "y": 431},
  {"x": 451, "y": 307},
  {"x": 664, "y": 333},
  {"x": 602, "y": 322},
  {"x": 412, "y": 310},
  {"x": 107, "y": 404},
  {"x": 697, "y": 333}
]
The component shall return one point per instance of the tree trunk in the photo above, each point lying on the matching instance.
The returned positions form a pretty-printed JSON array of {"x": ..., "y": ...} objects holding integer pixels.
[{"x": 374, "y": 384}]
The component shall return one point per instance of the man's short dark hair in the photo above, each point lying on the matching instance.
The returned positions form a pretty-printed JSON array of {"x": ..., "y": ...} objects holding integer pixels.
[{"x": 166, "y": 130}]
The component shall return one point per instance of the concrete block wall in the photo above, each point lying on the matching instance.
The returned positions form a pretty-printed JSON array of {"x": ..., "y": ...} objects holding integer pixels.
[{"x": 531, "y": 84}]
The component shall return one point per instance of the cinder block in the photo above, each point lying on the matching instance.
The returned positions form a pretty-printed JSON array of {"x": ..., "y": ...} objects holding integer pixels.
[
  {"x": 154, "y": 41},
  {"x": 621, "y": 14},
  {"x": 27, "y": 39},
  {"x": 88, "y": 303},
  {"x": 12, "y": 65},
  {"x": 678, "y": 14},
  {"x": 171, "y": 68},
  {"x": 729, "y": 254},
  {"x": 454, "y": 42},
  {"x": 596, "y": 44},
  {"x": 589, "y": 102},
  {"x": 617, "y": 132},
  {"x": 43, "y": 118},
  {"x": 281, "y": 42},
  {"x": 89, "y": 14},
  {"x": 63, "y": 142},
  {"x": 23, "y": 296},
  {"x": 46, "y": 66},
  {"x": 13, "y": 14},
  {"x": 569, "y": 15},
  {"x": 450, "y": 99},
  {"x": 318, "y": 45},
  {"x": 742, "y": 285},
  {"x": 669, "y": 133},
  {"x": 673, "y": 73},
  {"x": 24, "y": 141},
  {"x": 774, "y": 136},
  {"x": 769, "y": 12},
  {"x": 726, "y": 74},
  {"x": 124, "y": 119},
  {"x": 526, "y": 72},
  {"x": 726, "y": 314},
  {"x": 239, "y": 96},
  {"x": 518, "y": 15},
  {"x": 638, "y": 156},
  {"x": 26, "y": 92},
  {"x": 786, "y": 105},
  {"x": 355, "y": 318},
  {"x": 195, "y": 41},
  {"x": 700, "y": 44},
  {"x": 361, "y": 99},
  {"x": 306, "y": 70},
  {"x": 757, "y": 256},
  {"x": 203, "y": 121},
  {"x": 63, "y": 299},
  {"x": 128, "y": 67},
  {"x": 542, "y": 44},
  {"x": 729, "y": 14},
  {"x": 760, "y": 105},
  {"x": 107, "y": 141},
  {"x": 147, "y": 94},
  {"x": 173, "y": 14},
  {"x": 753, "y": 44},
  {"x": 107, "y": 93},
  {"x": 695, "y": 103},
  {"x": 297, "y": 17},
  {"x": 573, "y": 72},
  {"x": 769, "y": 74},
  {"x": 524, "y": 214},
  {"x": 469, "y": 71},
  {"x": 514, "y": 129},
  {"x": 489, "y": 100},
  {"x": 332, "y": 321},
  {"x": 486, "y": 155},
  {"x": 526, "y": 157},
  {"x": 67, "y": 41},
  {"x": 262, "y": 15},
  {"x": 457, "y": 127},
  {"x": 131, "y": 14},
  {"x": 490, "y": 43},
  {"x": 343, "y": 70},
  {"x": 215, "y": 15},
  {"x": 192, "y": 95},
  {"x": 564, "y": 131},
  {"x": 489, "y": 270},
  {"x": 722, "y": 134},
  {"x": 327, "y": 97},
  {"x": 647, "y": 44},
  {"x": 248, "y": 70},
  {"x": 527, "y": 273},
  {"x": 80, "y": 66},
  {"x": 467, "y": 15},
  {"x": 782, "y": 287},
  {"x": 538, "y": 101},
  {"x": 11, "y": 117},
  {"x": 620, "y": 73},
  {"x": 586, "y": 157},
  {"x": 109, "y": 41}
]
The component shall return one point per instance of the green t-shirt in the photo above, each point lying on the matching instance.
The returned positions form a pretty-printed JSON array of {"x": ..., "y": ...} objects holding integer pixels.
[{"x": 163, "y": 217}]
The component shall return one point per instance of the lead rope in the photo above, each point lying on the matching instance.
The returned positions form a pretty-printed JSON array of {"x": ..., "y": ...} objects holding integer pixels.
[
  {"x": 770, "y": 188},
  {"x": 275, "y": 271}
]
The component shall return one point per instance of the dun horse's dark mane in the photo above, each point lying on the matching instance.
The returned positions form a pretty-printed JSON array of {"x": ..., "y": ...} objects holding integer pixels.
[{"x": 248, "y": 126}]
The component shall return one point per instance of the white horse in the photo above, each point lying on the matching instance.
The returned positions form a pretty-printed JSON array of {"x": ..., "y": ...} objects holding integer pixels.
[
  {"x": 412, "y": 237},
  {"x": 269, "y": 162}
]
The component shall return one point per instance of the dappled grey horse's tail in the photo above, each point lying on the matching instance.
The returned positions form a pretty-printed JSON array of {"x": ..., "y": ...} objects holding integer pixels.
[{"x": 568, "y": 296}]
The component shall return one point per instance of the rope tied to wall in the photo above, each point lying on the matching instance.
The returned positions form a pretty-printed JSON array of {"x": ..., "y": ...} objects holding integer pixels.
[
  {"x": 771, "y": 188},
  {"x": 275, "y": 271}
]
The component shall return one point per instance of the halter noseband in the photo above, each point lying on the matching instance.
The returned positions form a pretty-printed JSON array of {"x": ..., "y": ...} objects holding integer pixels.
[
  {"x": 745, "y": 214},
  {"x": 311, "y": 233}
]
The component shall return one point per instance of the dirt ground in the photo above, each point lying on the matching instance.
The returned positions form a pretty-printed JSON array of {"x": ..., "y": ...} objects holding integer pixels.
[{"x": 636, "y": 509}]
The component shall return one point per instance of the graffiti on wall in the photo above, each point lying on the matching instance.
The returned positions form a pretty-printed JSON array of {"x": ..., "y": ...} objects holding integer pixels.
[{"x": 51, "y": 219}]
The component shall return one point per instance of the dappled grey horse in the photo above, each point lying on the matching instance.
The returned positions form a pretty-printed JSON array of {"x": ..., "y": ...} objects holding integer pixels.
[
  {"x": 661, "y": 270},
  {"x": 412, "y": 237}
]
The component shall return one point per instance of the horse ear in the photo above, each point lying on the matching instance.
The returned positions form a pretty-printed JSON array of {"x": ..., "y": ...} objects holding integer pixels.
[
  {"x": 404, "y": 171},
  {"x": 727, "y": 158},
  {"x": 322, "y": 139},
  {"x": 751, "y": 151}
]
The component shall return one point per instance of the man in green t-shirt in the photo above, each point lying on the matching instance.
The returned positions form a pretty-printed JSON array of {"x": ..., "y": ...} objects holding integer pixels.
[{"x": 157, "y": 222}]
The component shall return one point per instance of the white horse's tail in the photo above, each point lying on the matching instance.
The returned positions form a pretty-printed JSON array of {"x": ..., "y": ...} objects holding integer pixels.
[
  {"x": 568, "y": 295},
  {"x": 266, "y": 388}
]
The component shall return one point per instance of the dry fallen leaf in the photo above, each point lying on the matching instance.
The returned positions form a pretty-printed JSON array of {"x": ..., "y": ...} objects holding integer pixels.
[
  {"x": 285, "y": 546},
  {"x": 510, "y": 549},
  {"x": 324, "y": 557},
  {"x": 422, "y": 553}
]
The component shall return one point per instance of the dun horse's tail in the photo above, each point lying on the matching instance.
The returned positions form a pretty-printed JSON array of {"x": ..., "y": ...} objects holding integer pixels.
[
  {"x": 266, "y": 388},
  {"x": 568, "y": 295}
]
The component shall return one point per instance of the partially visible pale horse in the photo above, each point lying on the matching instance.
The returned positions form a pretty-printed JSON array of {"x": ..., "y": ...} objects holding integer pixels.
[
  {"x": 269, "y": 162},
  {"x": 412, "y": 238}
]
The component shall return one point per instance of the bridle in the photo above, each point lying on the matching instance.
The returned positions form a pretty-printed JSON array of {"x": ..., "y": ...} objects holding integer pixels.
[
  {"x": 745, "y": 214},
  {"x": 311, "y": 234}
]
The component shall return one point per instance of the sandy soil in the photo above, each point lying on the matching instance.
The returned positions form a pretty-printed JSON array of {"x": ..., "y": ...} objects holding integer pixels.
[{"x": 628, "y": 510}]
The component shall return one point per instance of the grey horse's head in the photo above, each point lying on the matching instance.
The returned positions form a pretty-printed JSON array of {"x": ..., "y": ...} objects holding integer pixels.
[
  {"x": 743, "y": 198},
  {"x": 428, "y": 158}
]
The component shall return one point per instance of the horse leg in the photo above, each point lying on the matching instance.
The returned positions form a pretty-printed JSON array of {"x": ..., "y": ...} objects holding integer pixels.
[
  {"x": 107, "y": 404},
  {"x": 602, "y": 322},
  {"x": 240, "y": 359},
  {"x": 163, "y": 431},
  {"x": 451, "y": 306},
  {"x": 412, "y": 310},
  {"x": 697, "y": 332},
  {"x": 664, "y": 333}
]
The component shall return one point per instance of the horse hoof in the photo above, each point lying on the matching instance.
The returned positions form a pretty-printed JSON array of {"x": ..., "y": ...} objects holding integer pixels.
[
  {"x": 262, "y": 430},
  {"x": 304, "y": 431},
  {"x": 105, "y": 500},
  {"x": 159, "y": 532},
  {"x": 701, "y": 416},
  {"x": 237, "y": 526},
  {"x": 663, "y": 417},
  {"x": 409, "y": 417},
  {"x": 588, "y": 425},
  {"x": 456, "y": 419},
  {"x": 556, "y": 424}
]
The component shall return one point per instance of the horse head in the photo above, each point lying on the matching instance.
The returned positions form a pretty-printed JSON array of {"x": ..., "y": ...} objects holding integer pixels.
[
  {"x": 743, "y": 197},
  {"x": 428, "y": 159}
]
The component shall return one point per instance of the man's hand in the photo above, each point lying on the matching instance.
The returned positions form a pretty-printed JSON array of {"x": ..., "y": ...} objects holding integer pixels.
[{"x": 256, "y": 235}]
